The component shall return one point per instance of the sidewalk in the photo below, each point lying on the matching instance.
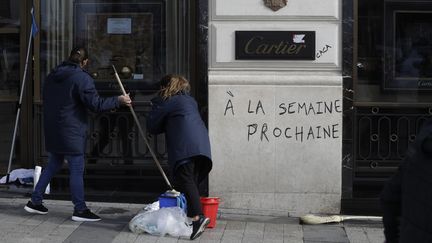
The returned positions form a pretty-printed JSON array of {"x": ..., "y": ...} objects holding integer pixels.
[{"x": 16, "y": 225}]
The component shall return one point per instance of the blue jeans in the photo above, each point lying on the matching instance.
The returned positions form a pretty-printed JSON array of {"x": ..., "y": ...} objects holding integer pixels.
[{"x": 76, "y": 182}]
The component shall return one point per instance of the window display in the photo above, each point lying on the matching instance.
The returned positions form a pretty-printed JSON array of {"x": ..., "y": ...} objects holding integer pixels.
[
  {"x": 408, "y": 46},
  {"x": 130, "y": 36}
]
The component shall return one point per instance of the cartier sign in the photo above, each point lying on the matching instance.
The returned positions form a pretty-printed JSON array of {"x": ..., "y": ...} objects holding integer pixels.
[{"x": 275, "y": 45}]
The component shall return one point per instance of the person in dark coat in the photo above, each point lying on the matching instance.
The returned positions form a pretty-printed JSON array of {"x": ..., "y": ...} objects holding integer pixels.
[
  {"x": 407, "y": 197},
  {"x": 175, "y": 113},
  {"x": 68, "y": 93}
]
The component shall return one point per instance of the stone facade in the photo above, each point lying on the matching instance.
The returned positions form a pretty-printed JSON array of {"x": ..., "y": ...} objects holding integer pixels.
[{"x": 276, "y": 125}]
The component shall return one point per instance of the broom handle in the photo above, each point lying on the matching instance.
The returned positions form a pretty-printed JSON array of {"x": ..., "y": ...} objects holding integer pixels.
[
  {"x": 361, "y": 217},
  {"x": 142, "y": 133}
]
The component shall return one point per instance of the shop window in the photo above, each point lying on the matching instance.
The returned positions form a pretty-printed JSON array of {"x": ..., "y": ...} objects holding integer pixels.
[
  {"x": 9, "y": 76},
  {"x": 408, "y": 42},
  {"x": 9, "y": 64},
  {"x": 9, "y": 14},
  {"x": 129, "y": 36},
  {"x": 9, "y": 48},
  {"x": 143, "y": 39},
  {"x": 394, "y": 51}
]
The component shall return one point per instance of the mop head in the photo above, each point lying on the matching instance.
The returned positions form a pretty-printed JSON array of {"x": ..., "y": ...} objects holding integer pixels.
[{"x": 320, "y": 219}]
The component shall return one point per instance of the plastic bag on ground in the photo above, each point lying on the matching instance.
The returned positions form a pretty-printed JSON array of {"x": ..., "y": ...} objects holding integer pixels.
[
  {"x": 151, "y": 207},
  {"x": 171, "y": 220},
  {"x": 24, "y": 175}
]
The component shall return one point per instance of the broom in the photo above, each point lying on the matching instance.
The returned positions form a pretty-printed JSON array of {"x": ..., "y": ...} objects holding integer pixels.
[
  {"x": 171, "y": 192},
  {"x": 322, "y": 219}
]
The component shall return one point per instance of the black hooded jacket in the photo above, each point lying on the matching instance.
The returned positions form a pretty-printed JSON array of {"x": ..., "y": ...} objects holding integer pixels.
[
  {"x": 69, "y": 92},
  {"x": 407, "y": 197}
]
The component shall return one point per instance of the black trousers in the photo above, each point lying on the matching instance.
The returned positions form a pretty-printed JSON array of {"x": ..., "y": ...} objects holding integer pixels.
[{"x": 186, "y": 181}]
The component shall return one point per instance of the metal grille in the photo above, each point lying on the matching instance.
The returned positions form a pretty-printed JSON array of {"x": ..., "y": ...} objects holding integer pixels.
[
  {"x": 382, "y": 138},
  {"x": 119, "y": 166},
  {"x": 113, "y": 138}
]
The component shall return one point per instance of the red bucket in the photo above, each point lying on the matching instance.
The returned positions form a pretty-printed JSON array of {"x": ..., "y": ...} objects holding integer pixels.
[{"x": 210, "y": 208}]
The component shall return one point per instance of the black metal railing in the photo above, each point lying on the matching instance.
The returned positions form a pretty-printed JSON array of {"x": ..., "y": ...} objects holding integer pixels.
[
  {"x": 382, "y": 137},
  {"x": 112, "y": 136},
  {"x": 119, "y": 165}
]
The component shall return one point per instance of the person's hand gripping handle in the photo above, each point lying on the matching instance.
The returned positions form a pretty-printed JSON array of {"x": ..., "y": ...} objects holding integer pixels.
[{"x": 125, "y": 100}]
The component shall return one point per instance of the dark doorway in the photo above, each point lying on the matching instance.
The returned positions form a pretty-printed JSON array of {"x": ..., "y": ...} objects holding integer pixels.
[{"x": 385, "y": 102}]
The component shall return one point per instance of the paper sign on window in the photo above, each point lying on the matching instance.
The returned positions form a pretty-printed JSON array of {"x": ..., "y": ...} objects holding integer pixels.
[{"x": 119, "y": 26}]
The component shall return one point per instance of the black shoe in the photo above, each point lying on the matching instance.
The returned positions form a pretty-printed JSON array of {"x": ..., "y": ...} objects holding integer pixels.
[
  {"x": 199, "y": 226},
  {"x": 32, "y": 208},
  {"x": 86, "y": 215}
]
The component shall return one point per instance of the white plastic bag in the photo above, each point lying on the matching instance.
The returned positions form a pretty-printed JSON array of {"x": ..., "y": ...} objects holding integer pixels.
[
  {"x": 18, "y": 174},
  {"x": 152, "y": 207},
  {"x": 171, "y": 220}
]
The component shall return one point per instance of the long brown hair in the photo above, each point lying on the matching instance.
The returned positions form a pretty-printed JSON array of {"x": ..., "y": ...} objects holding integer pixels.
[{"x": 173, "y": 84}]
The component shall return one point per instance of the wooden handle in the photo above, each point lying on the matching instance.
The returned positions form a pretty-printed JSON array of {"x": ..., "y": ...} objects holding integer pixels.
[{"x": 142, "y": 132}]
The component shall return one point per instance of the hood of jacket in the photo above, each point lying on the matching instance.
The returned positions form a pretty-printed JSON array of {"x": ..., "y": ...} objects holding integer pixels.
[{"x": 64, "y": 70}]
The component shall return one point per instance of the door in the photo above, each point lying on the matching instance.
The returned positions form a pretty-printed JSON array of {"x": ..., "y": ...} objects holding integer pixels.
[
  {"x": 392, "y": 89},
  {"x": 144, "y": 40}
]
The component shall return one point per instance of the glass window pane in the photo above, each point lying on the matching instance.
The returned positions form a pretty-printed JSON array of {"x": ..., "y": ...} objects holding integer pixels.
[
  {"x": 9, "y": 13},
  {"x": 55, "y": 33},
  {"x": 144, "y": 40},
  {"x": 129, "y": 36},
  {"x": 394, "y": 49},
  {"x": 7, "y": 121},
  {"x": 9, "y": 64}
]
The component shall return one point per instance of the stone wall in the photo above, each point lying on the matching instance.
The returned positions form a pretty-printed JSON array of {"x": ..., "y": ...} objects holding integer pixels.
[{"x": 275, "y": 125}]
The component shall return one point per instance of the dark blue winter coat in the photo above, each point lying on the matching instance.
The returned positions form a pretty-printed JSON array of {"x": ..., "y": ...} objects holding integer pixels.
[
  {"x": 67, "y": 94},
  {"x": 185, "y": 132}
]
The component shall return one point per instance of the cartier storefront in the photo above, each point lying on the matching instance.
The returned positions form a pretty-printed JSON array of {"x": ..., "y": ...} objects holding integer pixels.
[{"x": 310, "y": 104}]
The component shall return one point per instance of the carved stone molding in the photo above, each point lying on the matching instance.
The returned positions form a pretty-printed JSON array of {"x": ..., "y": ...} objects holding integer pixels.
[{"x": 275, "y": 5}]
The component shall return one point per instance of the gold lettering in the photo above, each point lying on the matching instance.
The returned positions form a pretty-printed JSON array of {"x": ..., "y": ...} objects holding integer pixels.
[
  {"x": 291, "y": 49},
  {"x": 273, "y": 46},
  {"x": 246, "y": 49},
  {"x": 256, "y": 45},
  {"x": 262, "y": 49},
  {"x": 284, "y": 49},
  {"x": 280, "y": 48}
]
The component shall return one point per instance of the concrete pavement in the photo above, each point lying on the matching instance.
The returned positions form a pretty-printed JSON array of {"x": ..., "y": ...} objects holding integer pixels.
[{"x": 16, "y": 225}]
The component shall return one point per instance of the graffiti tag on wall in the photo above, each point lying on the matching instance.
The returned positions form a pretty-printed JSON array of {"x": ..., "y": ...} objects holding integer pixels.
[{"x": 313, "y": 110}]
